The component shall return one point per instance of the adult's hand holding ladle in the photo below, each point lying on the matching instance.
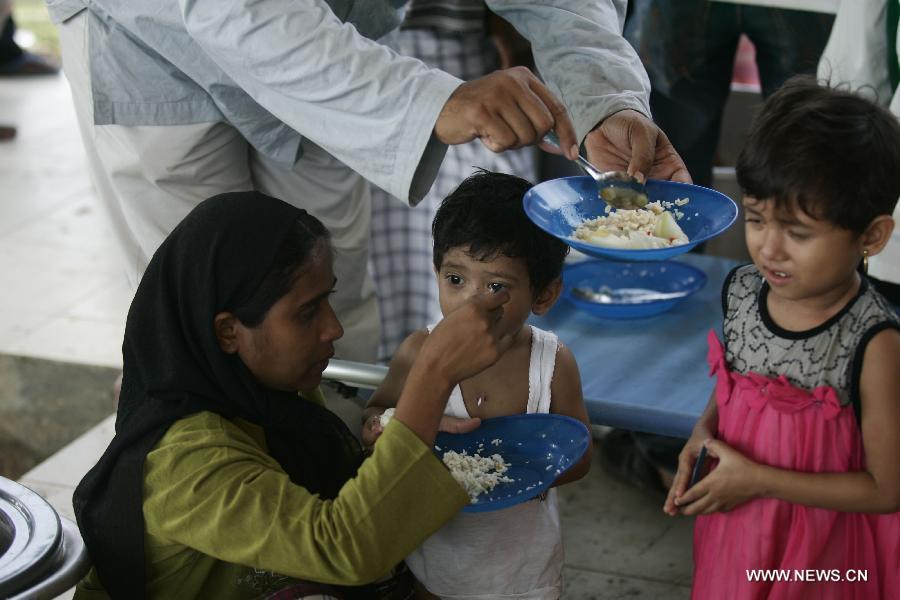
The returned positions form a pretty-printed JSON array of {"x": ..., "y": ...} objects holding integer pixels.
[{"x": 617, "y": 188}]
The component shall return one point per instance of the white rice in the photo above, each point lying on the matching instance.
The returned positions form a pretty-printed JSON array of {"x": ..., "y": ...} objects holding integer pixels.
[
  {"x": 634, "y": 229},
  {"x": 386, "y": 417},
  {"x": 476, "y": 473}
]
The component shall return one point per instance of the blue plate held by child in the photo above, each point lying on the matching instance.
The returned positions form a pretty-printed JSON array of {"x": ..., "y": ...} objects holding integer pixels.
[
  {"x": 537, "y": 447},
  {"x": 559, "y": 206}
]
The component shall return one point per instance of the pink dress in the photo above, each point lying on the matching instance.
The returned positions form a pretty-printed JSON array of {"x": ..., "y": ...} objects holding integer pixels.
[{"x": 774, "y": 422}]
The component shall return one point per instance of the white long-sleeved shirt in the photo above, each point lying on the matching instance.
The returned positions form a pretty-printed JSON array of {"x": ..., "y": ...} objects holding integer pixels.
[
  {"x": 857, "y": 54},
  {"x": 281, "y": 69}
]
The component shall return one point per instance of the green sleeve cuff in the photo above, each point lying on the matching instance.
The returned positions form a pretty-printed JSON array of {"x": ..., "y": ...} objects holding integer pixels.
[{"x": 399, "y": 440}]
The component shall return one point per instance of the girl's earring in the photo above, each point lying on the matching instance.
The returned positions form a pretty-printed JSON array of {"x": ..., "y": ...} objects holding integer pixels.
[{"x": 865, "y": 261}]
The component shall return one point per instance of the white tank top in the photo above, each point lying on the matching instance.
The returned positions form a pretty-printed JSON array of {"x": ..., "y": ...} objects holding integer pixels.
[{"x": 516, "y": 552}]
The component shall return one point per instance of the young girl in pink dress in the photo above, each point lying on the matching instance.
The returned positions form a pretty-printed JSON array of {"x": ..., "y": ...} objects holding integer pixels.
[{"x": 804, "y": 424}]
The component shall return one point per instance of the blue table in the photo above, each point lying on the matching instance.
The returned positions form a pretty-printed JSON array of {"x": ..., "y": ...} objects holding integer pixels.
[{"x": 646, "y": 374}]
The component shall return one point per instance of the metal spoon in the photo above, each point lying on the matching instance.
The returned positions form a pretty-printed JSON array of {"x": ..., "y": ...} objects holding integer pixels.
[
  {"x": 606, "y": 295},
  {"x": 616, "y": 188}
]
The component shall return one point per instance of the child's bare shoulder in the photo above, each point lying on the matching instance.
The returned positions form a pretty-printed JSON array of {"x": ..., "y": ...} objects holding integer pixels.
[
  {"x": 565, "y": 360},
  {"x": 411, "y": 346},
  {"x": 883, "y": 350},
  {"x": 408, "y": 350},
  {"x": 388, "y": 392}
]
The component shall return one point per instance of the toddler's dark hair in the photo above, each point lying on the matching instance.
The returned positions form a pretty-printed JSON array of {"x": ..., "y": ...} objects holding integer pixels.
[
  {"x": 834, "y": 153},
  {"x": 485, "y": 216}
]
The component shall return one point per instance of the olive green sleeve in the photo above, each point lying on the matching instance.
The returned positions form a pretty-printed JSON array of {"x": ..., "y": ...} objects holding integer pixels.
[{"x": 210, "y": 487}]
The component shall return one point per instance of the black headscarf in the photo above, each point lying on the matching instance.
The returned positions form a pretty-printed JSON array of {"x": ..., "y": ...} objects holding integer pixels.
[{"x": 173, "y": 367}]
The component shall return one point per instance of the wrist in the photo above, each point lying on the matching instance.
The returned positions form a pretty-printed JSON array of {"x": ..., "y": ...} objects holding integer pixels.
[
  {"x": 625, "y": 111},
  {"x": 759, "y": 481},
  {"x": 430, "y": 367},
  {"x": 709, "y": 421},
  {"x": 428, "y": 375},
  {"x": 703, "y": 430},
  {"x": 422, "y": 402},
  {"x": 372, "y": 411}
]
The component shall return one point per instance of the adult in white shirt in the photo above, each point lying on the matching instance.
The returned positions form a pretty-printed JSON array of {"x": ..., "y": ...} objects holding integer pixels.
[
  {"x": 863, "y": 52},
  {"x": 179, "y": 100}
]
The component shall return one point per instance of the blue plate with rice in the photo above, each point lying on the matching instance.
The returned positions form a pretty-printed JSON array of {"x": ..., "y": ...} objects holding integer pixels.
[
  {"x": 536, "y": 449},
  {"x": 559, "y": 206}
]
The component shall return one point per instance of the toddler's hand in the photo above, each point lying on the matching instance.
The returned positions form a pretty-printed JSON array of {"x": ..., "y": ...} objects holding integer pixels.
[
  {"x": 731, "y": 483},
  {"x": 457, "y": 425},
  {"x": 371, "y": 430},
  {"x": 686, "y": 459}
]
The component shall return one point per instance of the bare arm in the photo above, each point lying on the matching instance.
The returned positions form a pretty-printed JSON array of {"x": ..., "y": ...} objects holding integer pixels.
[
  {"x": 567, "y": 399},
  {"x": 875, "y": 489},
  {"x": 389, "y": 391}
]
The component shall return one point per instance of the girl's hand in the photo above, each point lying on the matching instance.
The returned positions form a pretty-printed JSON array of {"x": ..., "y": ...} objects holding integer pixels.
[
  {"x": 686, "y": 459},
  {"x": 731, "y": 483}
]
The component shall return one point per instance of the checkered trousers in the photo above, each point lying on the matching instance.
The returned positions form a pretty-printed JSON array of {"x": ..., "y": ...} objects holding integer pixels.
[{"x": 400, "y": 244}]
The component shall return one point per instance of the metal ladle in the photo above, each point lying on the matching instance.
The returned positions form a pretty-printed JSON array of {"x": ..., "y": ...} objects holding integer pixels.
[{"x": 617, "y": 188}]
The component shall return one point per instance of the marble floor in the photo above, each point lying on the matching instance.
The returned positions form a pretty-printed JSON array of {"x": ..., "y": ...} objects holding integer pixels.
[{"x": 63, "y": 301}]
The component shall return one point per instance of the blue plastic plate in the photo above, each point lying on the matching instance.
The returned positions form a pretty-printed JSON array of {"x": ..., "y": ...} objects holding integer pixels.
[
  {"x": 559, "y": 206},
  {"x": 538, "y": 447},
  {"x": 663, "y": 277}
]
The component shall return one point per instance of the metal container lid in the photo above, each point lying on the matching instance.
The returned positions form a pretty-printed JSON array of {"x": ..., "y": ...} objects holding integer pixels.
[{"x": 30, "y": 534}]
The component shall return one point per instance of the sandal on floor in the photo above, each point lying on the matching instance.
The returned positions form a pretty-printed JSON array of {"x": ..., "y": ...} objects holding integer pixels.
[{"x": 28, "y": 64}]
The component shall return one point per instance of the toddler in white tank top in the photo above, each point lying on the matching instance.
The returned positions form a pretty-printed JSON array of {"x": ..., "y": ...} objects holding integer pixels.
[{"x": 483, "y": 243}]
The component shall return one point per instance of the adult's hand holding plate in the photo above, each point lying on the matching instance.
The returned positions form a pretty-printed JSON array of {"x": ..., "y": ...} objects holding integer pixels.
[{"x": 628, "y": 141}]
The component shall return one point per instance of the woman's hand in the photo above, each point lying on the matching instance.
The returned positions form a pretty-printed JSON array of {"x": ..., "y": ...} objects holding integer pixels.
[
  {"x": 686, "y": 459},
  {"x": 731, "y": 483},
  {"x": 629, "y": 141},
  {"x": 468, "y": 340}
]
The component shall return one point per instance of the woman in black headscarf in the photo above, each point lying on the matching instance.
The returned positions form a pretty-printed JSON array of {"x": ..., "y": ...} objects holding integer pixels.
[{"x": 222, "y": 481}]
